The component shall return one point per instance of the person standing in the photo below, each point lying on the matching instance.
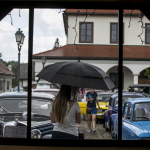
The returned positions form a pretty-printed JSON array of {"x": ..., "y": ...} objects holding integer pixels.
[
  {"x": 65, "y": 113},
  {"x": 92, "y": 98}
]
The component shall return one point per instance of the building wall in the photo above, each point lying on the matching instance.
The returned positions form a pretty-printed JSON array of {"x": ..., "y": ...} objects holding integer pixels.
[
  {"x": 102, "y": 29},
  {"x": 4, "y": 87}
]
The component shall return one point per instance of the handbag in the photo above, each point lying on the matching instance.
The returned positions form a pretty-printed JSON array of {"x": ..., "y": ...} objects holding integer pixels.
[{"x": 89, "y": 109}]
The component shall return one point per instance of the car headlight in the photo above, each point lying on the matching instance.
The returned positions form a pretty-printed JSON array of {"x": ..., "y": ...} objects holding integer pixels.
[
  {"x": 48, "y": 136},
  {"x": 99, "y": 110},
  {"x": 35, "y": 134}
]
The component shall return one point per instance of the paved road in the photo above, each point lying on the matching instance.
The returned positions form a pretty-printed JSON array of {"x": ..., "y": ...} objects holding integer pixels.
[{"x": 100, "y": 131}]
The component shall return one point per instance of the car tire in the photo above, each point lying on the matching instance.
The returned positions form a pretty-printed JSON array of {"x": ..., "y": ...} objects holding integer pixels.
[
  {"x": 106, "y": 129},
  {"x": 112, "y": 134}
]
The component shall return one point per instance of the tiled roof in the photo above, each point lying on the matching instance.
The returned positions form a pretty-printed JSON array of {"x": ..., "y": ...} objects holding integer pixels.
[
  {"x": 24, "y": 71},
  {"x": 106, "y": 51},
  {"x": 5, "y": 70},
  {"x": 103, "y": 11}
]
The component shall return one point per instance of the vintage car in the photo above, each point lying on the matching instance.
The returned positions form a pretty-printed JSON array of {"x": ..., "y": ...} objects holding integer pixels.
[
  {"x": 135, "y": 120},
  {"x": 13, "y": 115},
  {"x": 48, "y": 91},
  {"x": 140, "y": 88},
  {"x": 113, "y": 109},
  {"x": 103, "y": 99}
]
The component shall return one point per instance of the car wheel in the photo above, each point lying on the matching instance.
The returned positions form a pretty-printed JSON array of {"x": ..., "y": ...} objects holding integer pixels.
[
  {"x": 112, "y": 132},
  {"x": 96, "y": 120},
  {"x": 106, "y": 129}
]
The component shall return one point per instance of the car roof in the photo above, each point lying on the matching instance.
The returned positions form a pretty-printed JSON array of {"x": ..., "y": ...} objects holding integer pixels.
[
  {"x": 46, "y": 90},
  {"x": 139, "y": 85},
  {"x": 135, "y": 100},
  {"x": 25, "y": 95},
  {"x": 106, "y": 93},
  {"x": 128, "y": 93}
]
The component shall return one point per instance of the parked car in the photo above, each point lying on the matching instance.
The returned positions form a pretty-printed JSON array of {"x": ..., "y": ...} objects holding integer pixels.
[
  {"x": 103, "y": 99},
  {"x": 96, "y": 90},
  {"x": 13, "y": 115},
  {"x": 113, "y": 109},
  {"x": 140, "y": 88},
  {"x": 16, "y": 89},
  {"x": 135, "y": 120},
  {"x": 48, "y": 91}
]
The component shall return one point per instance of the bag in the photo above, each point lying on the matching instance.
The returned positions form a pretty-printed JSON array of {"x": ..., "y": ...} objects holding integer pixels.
[{"x": 89, "y": 109}]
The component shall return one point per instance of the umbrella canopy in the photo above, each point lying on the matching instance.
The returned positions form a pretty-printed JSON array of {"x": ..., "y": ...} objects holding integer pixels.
[{"x": 76, "y": 74}]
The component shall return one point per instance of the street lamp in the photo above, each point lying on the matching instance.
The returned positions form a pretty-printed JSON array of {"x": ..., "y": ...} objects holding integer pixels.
[
  {"x": 43, "y": 60},
  {"x": 19, "y": 39}
]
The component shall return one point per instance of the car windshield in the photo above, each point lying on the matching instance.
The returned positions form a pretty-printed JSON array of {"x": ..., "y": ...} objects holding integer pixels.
[
  {"x": 43, "y": 86},
  {"x": 20, "y": 105},
  {"x": 104, "y": 97},
  {"x": 125, "y": 98},
  {"x": 141, "y": 112}
]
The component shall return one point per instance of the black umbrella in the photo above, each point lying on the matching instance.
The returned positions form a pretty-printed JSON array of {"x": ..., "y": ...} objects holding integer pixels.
[{"x": 76, "y": 74}]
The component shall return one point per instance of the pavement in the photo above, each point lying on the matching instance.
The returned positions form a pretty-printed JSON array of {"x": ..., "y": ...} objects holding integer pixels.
[{"x": 100, "y": 131}]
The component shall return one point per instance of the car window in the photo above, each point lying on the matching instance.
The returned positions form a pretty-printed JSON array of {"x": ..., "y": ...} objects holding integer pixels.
[
  {"x": 104, "y": 97},
  {"x": 129, "y": 112},
  {"x": 125, "y": 110}
]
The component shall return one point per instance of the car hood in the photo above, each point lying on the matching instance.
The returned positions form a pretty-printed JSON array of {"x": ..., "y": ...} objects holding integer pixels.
[
  {"x": 145, "y": 124},
  {"x": 103, "y": 105}
]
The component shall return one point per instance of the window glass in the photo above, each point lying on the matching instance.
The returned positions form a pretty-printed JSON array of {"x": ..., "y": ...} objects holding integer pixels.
[
  {"x": 83, "y": 32},
  {"x": 82, "y": 38},
  {"x": 89, "y": 32},
  {"x": 89, "y": 26},
  {"x": 89, "y": 38},
  {"x": 83, "y": 26},
  {"x": 125, "y": 111}
]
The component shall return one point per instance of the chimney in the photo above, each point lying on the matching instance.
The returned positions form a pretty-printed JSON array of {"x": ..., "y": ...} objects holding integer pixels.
[{"x": 10, "y": 67}]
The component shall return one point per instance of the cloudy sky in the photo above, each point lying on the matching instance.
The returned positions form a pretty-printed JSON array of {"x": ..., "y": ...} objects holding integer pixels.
[{"x": 48, "y": 25}]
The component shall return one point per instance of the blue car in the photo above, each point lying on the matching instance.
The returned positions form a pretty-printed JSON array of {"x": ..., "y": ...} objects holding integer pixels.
[
  {"x": 109, "y": 115},
  {"x": 135, "y": 120}
]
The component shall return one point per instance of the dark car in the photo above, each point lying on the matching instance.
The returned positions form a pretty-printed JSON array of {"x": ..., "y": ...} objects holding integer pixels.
[
  {"x": 140, "y": 88},
  {"x": 13, "y": 115},
  {"x": 113, "y": 108}
]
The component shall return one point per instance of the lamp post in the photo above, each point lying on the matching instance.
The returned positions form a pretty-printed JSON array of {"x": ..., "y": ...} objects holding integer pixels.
[
  {"x": 43, "y": 60},
  {"x": 19, "y": 39}
]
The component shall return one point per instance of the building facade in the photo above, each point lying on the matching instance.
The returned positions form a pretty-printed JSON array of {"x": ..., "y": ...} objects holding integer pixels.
[
  {"x": 96, "y": 39},
  {"x": 6, "y": 76}
]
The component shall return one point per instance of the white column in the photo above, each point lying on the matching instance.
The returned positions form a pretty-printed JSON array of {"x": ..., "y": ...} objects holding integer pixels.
[{"x": 135, "y": 78}]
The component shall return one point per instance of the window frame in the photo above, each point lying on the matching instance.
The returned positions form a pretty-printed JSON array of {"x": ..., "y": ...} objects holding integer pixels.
[
  {"x": 146, "y": 33},
  {"x": 111, "y": 42},
  {"x": 86, "y": 30}
]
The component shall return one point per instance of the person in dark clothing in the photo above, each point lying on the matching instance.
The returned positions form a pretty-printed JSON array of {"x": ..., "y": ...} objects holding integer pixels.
[{"x": 92, "y": 99}]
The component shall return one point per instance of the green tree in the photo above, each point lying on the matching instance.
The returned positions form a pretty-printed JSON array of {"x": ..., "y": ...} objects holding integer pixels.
[
  {"x": 0, "y": 55},
  {"x": 147, "y": 73},
  {"x": 56, "y": 44}
]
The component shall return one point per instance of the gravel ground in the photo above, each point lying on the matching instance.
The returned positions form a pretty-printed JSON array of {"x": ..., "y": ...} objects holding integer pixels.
[{"x": 100, "y": 131}]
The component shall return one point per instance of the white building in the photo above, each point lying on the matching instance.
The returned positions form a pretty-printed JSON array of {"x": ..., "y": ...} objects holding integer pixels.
[
  {"x": 97, "y": 40},
  {"x": 6, "y": 76}
]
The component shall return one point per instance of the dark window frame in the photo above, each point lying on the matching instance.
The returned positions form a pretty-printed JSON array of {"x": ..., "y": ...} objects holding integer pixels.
[
  {"x": 86, "y": 30},
  {"x": 146, "y": 33},
  {"x": 111, "y": 42}
]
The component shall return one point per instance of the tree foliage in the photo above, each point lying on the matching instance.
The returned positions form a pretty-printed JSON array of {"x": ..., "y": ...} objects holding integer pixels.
[
  {"x": 147, "y": 73},
  {"x": 56, "y": 44}
]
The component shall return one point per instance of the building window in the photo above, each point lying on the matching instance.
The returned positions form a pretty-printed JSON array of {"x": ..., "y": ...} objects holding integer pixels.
[
  {"x": 86, "y": 32},
  {"x": 147, "y": 33},
  {"x": 7, "y": 85},
  {"x": 114, "y": 32}
]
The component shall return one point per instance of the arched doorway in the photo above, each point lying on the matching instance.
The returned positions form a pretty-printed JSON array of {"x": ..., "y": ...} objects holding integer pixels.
[
  {"x": 142, "y": 78},
  {"x": 127, "y": 76}
]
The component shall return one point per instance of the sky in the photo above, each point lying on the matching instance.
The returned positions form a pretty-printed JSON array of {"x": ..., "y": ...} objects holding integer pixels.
[{"x": 48, "y": 25}]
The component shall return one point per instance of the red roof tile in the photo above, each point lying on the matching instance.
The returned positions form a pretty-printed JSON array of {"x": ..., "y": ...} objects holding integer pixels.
[
  {"x": 5, "y": 70},
  {"x": 98, "y": 51},
  {"x": 103, "y": 11}
]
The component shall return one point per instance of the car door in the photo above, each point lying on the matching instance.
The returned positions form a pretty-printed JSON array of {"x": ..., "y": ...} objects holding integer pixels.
[
  {"x": 127, "y": 125},
  {"x": 110, "y": 110}
]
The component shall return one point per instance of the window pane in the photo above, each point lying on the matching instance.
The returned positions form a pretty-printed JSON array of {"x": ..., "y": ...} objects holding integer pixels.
[
  {"x": 83, "y": 32},
  {"x": 89, "y": 32},
  {"x": 82, "y": 38},
  {"x": 114, "y": 33},
  {"x": 114, "y": 38},
  {"x": 148, "y": 39},
  {"x": 83, "y": 26},
  {"x": 89, "y": 38},
  {"x": 148, "y": 27},
  {"x": 114, "y": 27},
  {"x": 148, "y": 32},
  {"x": 89, "y": 26}
]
